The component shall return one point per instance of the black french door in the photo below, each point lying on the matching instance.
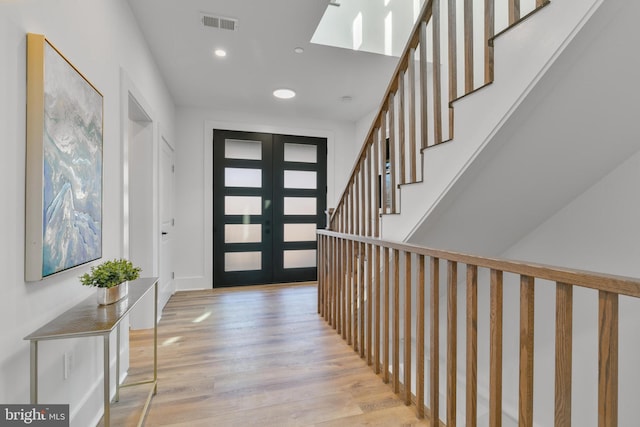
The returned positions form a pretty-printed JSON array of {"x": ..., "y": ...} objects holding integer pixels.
[{"x": 269, "y": 198}]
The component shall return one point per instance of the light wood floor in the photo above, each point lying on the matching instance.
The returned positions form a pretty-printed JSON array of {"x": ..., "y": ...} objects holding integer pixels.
[{"x": 258, "y": 356}]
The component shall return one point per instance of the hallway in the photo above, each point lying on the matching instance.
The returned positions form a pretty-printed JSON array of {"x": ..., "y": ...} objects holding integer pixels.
[{"x": 255, "y": 356}]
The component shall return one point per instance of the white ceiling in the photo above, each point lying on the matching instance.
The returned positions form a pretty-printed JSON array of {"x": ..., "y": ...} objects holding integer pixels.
[{"x": 260, "y": 58}]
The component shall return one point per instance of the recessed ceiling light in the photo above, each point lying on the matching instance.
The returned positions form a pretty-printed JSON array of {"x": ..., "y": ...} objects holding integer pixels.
[
  {"x": 298, "y": 50},
  {"x": 284, "y": 93},
  {"x": 220, "y": 52}
]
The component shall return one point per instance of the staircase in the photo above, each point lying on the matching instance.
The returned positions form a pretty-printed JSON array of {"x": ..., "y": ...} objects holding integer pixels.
[
  {"x": 491, "y": 168},
  {"x": 570, "y": 126}
]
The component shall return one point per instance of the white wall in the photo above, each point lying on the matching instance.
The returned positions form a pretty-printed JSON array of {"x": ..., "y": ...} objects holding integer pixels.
[
  {"x": 361, "y": 131},
  {"x": 194, "y": 179},
  {"x": 100, "y": 37},
  {"x": 598, "y": 231}
]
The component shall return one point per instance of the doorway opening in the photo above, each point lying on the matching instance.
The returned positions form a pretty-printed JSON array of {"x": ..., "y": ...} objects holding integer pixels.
[{"x": 139, "y": 202}]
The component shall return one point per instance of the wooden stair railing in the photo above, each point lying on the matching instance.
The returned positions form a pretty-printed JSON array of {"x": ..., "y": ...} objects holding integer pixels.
[
  {"x": 410, "y": 118},
  {"x": 362, "y": 294}
]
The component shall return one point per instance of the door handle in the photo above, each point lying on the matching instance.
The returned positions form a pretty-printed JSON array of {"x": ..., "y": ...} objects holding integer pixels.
[{"x": 164, "y": 233}]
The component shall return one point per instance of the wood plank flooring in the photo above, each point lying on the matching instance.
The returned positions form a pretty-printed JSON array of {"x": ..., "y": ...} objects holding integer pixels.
[{"x": 256, "y": 356}]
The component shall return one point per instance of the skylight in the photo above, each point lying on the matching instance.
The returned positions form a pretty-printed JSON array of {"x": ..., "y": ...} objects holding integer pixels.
[{"x": 381, "y": 26}]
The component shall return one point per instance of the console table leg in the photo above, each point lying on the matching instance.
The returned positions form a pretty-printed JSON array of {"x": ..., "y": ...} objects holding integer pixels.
[
  {"x": 117, "y": 399},
  {"x": 107, "y": 381},
  {"x": 34, "y": 371}
]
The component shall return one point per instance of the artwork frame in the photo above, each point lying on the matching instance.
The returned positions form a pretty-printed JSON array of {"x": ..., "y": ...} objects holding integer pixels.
[{"x": 64, "y": 164}]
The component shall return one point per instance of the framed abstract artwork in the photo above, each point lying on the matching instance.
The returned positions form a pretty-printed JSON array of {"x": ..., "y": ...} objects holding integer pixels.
[{"x": 63, "y": 218}]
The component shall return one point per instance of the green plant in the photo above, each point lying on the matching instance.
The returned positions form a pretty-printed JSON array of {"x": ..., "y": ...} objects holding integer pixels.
[{"x": 110, "y": 274}]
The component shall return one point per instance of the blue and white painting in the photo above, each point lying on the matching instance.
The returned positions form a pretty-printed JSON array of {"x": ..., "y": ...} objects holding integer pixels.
[{"x": 72, "y": 169}]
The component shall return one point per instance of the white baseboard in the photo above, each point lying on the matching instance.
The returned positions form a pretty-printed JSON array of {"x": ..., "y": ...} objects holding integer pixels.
[{"x": 192, "y": 283}]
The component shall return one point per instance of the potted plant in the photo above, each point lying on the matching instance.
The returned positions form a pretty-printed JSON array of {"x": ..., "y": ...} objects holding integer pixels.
[{"x": 112, "y": 279}]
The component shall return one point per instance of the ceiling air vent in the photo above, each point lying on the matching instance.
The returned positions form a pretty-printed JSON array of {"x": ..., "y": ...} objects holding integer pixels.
[{"x": 221, "y": 22}]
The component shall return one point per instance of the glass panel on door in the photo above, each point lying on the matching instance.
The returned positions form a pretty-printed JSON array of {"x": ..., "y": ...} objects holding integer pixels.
[
  {"x": 304, "y": 258},
  {"x": 242, "y": 205},
  {"x": 242, "y": 261},
  {"x": 301, "y": 153},
  {"x": 242, "y": 233},
  {"x": 301, "y": 179},
  {"x": 242, "y": 149},
  {"x": 243, "y": 177},
  {"x": 299, "y": 232},
  {"x": 300, "y": 206}
]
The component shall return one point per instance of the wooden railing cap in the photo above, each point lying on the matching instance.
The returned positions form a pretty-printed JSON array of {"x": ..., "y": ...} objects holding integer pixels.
[{"x": 629, "y": 286}]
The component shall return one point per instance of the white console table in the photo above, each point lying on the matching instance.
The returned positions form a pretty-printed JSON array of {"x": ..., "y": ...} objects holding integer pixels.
[{"x": 88, "y": 319}]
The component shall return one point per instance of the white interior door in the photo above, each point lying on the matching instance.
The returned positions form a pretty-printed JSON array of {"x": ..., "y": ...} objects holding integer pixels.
[{"x": 166, "y": 222}]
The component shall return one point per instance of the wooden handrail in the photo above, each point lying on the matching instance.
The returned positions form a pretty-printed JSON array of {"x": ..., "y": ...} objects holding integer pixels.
[
  {"x": 602, "y": 282},
  {"x": 374, "y": 294}
]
